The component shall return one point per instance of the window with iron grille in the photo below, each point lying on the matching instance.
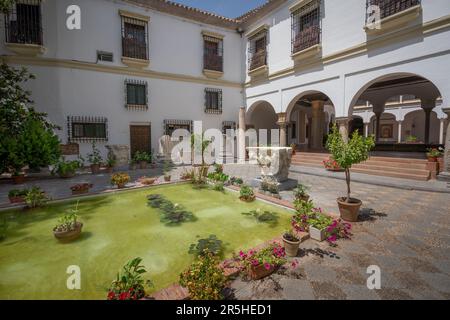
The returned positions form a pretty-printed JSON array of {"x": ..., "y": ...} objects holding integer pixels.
[
  {"x": 391, "y": 7},
  {"x": 136, "y": 94},
  {"x": 87, "y": 129},
  {"x": 171, "y": 125},
  {"x": 306, "y": 28},
  {"x": 212, "y": 53},
  {"x": 228, "y": 125},
  {"x": 257, "y": 50},
  {"x": 134, "y": 38},
  {"x": 23, "y": 22},
  {"x": 213, "y": 100}
]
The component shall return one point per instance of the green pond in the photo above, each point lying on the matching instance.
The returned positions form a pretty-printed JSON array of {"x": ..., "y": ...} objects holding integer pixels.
[{"x": 117, "y": 228}]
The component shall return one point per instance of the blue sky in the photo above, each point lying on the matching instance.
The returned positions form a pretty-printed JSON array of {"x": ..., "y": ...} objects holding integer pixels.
[{"x": 227, "y": 8}]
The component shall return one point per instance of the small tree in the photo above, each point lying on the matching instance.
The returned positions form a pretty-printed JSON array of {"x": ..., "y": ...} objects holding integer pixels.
[
  {"x": 199, "y": 144},
  {"x": 346, "y": 154},
  {"x": 26, "y": 136}
]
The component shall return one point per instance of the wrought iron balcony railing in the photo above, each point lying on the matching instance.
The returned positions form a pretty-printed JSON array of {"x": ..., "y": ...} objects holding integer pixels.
[
  {"x": 305, "y": 39},
  {"x": 391, "y": 7},
  {"x": 212, "y": 61},
  {"x": 258, "y": 60}
]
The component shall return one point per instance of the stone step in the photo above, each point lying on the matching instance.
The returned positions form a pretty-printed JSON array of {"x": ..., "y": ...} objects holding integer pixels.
[
  {"x": 380, "y": 163},
  {"x": 419, "y": 177},
  {"x": 174, "y": 292},
  {"x": 408, "y": 170}
]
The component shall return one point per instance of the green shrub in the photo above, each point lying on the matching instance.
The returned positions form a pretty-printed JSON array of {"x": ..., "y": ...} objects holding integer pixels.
[
  {"x": 300, "y": 191},
  {"x": 218, "y": 186},
  {"x": 64, "y": 168},
  {"x": 246, "y": 193},
  {"x": 17, "y": 193},
  {"x": 204, "y": 279},
  {"x": 95, "y": 156}
]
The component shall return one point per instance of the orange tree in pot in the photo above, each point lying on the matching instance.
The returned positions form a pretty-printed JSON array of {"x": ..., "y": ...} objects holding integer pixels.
[{"x": 346, "y": 154}]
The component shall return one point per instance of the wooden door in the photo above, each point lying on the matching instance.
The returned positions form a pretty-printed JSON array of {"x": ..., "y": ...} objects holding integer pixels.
[{"x": 140, "y": 138}]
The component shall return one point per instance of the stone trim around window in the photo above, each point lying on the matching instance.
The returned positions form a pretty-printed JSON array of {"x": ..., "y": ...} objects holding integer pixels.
[{"x": 132, "y": 106}]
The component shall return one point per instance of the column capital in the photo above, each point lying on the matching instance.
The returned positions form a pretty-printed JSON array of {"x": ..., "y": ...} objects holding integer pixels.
[
  {"x": 342, "y": 121},
  {"x": 282, "y": 119}
]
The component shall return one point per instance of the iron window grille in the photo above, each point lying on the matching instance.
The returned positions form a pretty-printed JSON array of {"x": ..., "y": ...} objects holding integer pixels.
[
  {"x": 306, "y": 26},
  {"x": 257, "y": 50},
  {"x": 87, "y": 129},
  {"x": 213, "y": 100},
  {"x": 228, "y": 125},
  {"x": 136, "y": 95},
  {"x": 23, "y": 22},
  {"x": 105, "y": 56},
  {"x": 212, "y": 53},
  {"x": 171, "y": 125},
  {"x": 390, "y": 7},
  {"x": 134, "y": 38}
]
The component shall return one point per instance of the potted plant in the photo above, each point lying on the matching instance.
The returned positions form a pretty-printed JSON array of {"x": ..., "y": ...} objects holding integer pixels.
[
  {"x": 147, "y": 181},
  {"x": 187, "y": 174},
  {"x": 318, "y": 224},
  {"x": 338, "y": 229},
  {"x": 120, "y": 179},
  {"x": 110, "y": 163},
  {"x": 331, "y": 165},
  {"x": 166, "y": 171},
  {"x": 291, "y": 243},
  {"x": 346, "y": 154},
  {"x": 294, "y": 147},
  {"x": 66, "y": 169},
  {"x": 95, "y": 158},
  {"x": 260, "y": 264},
  {"x": 411, "y": 139},
  {"x": 433, "y": 154},
  {"x": 17, "y": 196},
  {"x": 236, "y": 181},
  {"x": 204, "y": 279},
  {"x": 68, "y": 228},
  {"x": 36, "y": 198},
  {"x": 129, "y": 284},
  {"x": 301, "y": 192},
  {"x": 246, "y": 194},
  {"x": 81, "y": 188},
  {"x": 142, "y": 158}
]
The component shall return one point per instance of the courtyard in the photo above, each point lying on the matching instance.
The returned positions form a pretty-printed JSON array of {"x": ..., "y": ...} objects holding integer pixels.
[{"x": 403, "y": 232}]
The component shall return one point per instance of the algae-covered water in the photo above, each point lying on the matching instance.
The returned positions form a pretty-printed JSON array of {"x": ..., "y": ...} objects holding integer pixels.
[{"x": 117, "y": 228}]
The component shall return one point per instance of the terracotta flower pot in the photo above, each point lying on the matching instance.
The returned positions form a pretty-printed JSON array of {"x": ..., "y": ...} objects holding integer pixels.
[
  {"x": 19, "y": 179},
  {"x": 441, "y": 163},
  {"x": 109, "y": 169},
  {"x": 121, "y": 186},
  {"x": 66, "y": 236},
  {"x": 95, "y": 168},
  {"x": 247, "y": 199},
  {"x": 259, "y": 272},
  {"x": 19, "y": 199},
  {"x": 291, "y": 247},
  {"x": 432, "y": 159},
  {"x": 167, "y": 178},
  {"x": 349, "y": 210},
  {"x": 67, "y": 175}
]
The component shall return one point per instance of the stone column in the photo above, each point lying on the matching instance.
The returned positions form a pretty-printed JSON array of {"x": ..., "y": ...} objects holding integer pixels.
[
  {"x": 366, "y": 129},
  {"x": 342, "y": 124},
  {"x": 399, "y": 140},
  {"x": 428, "y": 105},
  {"x": 377, "y": 125},
  {"x": 441, "y": 131},
  {"x": 317, "y": 124},
  {"x": 241, "y": 135},
  {"x": 301, "y": 127},
  {"x": 445, "y": 174},
  {"x": 283, "y": 127}
]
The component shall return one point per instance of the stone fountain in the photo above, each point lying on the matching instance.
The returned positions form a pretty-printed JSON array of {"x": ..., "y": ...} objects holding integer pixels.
[{"x": 274, "y": 163}]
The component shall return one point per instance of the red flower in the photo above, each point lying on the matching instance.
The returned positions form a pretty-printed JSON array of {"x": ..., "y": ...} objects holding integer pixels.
[{"x": 111, "y": 295}]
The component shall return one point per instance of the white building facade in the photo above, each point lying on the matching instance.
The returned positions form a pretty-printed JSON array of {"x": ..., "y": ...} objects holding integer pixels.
[{"x": 139, "y": 69}]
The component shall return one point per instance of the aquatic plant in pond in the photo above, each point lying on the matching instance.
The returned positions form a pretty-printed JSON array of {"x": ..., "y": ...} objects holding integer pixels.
[
  {"x": 263, "y": 216},
  {"x": 211, "y": 245},
  {"x": 171, "y": 214}
]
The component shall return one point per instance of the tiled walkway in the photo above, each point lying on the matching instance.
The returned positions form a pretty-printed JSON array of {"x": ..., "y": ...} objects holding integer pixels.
[{"x": 404, "y": 232}]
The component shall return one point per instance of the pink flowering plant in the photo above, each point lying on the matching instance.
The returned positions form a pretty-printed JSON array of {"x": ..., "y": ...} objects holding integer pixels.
[
  {"x": 338, "y": 229},
  {"x": 270, "y": 257}
]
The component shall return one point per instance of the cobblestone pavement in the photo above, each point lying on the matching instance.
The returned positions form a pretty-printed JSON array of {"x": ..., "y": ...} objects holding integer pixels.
[{"x": 406, "y": 233}]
